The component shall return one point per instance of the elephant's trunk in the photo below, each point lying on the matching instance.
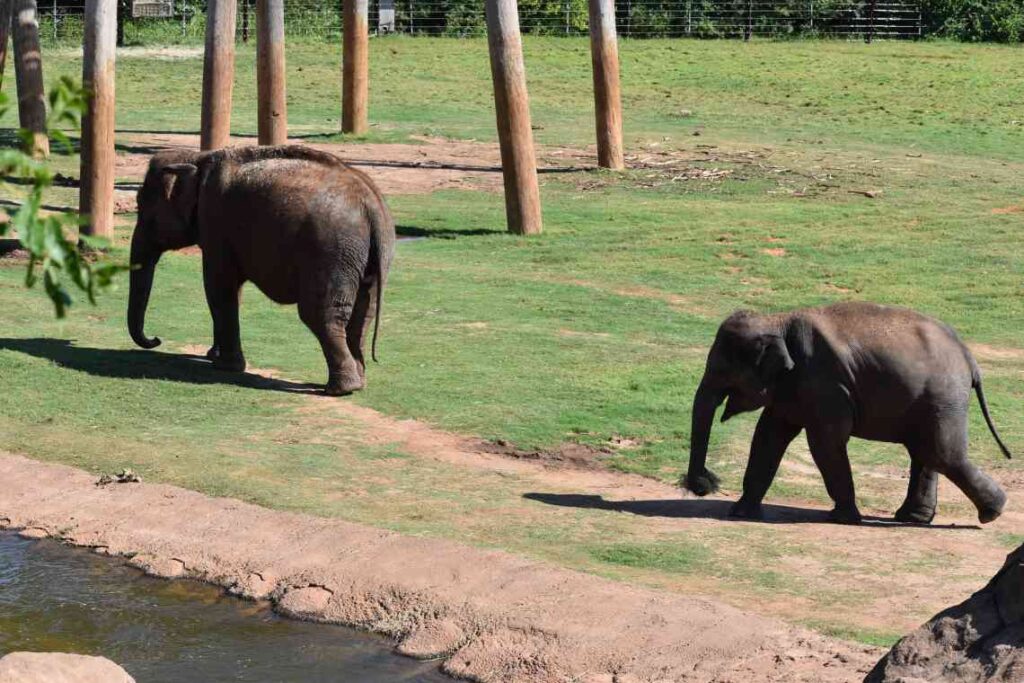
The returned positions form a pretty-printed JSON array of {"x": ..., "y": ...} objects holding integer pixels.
[
  {"x": 698, "y": 478},
  {"x": 143, "y": 261}
]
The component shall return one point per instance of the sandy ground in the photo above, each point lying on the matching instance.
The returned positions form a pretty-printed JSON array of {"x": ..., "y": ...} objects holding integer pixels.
[{"x": 489, "y": 615}]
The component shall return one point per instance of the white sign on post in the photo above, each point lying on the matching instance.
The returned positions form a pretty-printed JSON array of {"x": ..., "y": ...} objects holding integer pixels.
[{"x": 161, "y": 9}]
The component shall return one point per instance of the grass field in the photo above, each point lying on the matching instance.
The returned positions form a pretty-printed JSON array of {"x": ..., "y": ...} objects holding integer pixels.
[{"x": 595, "y": 331}]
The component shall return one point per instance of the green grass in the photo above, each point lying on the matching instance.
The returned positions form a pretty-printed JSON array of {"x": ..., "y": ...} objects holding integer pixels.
[{"x": 597, "y": 329}]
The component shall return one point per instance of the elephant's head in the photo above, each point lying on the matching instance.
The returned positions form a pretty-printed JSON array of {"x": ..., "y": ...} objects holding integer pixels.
[
  {"x": 748, "y": 357},
  {"x": 167, "y": 204}
]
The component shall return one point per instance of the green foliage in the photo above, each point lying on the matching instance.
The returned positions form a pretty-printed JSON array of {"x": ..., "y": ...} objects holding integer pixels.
[
  {"x": 975, "y": 20},
  {"x": 53, "y": 258}
]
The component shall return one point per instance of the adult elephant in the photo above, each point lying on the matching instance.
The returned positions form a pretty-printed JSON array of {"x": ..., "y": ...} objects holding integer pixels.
[
  {"x": 298, "y": 223},
  {"x": 852, "y": 369}
]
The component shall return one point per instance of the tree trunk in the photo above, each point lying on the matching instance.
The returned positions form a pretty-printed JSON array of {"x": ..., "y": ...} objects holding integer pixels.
[
  {"x": 272, "y": 113},
  {"x": 96, "y": 194},
  {"x": 6, "y": 8},
  {"x": 512, "y": 106},
  {"x": 604, "y": 52},
  {"x": 355, "y": 83},
  {"x": 218, "y": 74},
  {"x": 28, "y": 70}
]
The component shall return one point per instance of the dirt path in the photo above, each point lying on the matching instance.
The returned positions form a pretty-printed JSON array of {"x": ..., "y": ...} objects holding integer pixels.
[{"x": 491, "y": 616}]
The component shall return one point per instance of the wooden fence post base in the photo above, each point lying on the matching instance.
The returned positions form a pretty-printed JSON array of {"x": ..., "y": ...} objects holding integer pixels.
[
  {"x": 272, "y": 114},
  {"x": 218, "y": 74},
  {"x": 28, "y": 71},
  {"x": 96, "y": 192},
  {"x": 604, "y": 53},
  {"x": 512, "y": 106},
  {"x": 355, "y": 80}
]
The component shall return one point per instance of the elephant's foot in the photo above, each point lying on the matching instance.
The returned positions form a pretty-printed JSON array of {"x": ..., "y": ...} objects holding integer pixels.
[
  {"x": 990, "y": 513},
  {"x": 745, "y": 509},
  {"x": 915, "y": 514},
  {"x": 343, "y": 386},
  {"x": 845, "y": 514},
  {"x": 234, "y": 362}
]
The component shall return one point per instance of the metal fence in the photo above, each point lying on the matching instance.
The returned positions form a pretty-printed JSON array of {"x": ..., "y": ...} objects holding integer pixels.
[{"x": 61, "y": 20}]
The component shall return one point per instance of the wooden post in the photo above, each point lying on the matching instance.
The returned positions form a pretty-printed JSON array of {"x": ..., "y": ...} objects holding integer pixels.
[
  {"x": 604, "y": 56},
  {"x": 272, "y": 115},
  {"x": 96, "y": 194},
  {"x": 28, "y": 71},
  {"x": 355, "y": 81},
  {"x": 512, "y": 106},
  {"x": 218, "y": 74},
  {"x": 6, "y": 7}
]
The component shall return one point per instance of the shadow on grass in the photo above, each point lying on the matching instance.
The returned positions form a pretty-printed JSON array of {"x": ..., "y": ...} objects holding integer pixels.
[
  {"x": 412, "y": 232},
  {"x": 140, "y": 364},
  {"x": 704, "y": 508}
]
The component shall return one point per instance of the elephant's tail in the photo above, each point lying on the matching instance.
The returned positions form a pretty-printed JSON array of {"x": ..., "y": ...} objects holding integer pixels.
[
  {"x": 382, "y": 245},
  {"x": 976, "y": 383}
]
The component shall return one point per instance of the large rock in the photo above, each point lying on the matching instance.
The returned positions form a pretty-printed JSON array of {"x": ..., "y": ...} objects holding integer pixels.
[
  {"x": 980, "y": 640},
  {"x": 59, "y": 667}
]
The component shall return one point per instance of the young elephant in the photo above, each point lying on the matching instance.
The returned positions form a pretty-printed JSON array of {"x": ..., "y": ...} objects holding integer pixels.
[
  {"x": 298, "y": 223},
  {"x": 853, "y": 369}
]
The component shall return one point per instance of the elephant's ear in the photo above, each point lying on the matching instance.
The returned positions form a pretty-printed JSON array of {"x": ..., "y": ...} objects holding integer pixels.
[
  {"x": 180, "y": 186},
  {"x": 773, "y": 360}
]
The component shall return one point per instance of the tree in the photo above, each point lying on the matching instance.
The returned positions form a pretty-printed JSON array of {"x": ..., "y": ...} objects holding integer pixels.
[{"x": 60, "y": 263}]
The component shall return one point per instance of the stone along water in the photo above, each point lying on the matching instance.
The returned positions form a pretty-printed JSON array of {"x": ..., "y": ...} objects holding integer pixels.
[{"x": 54, "y": 598}]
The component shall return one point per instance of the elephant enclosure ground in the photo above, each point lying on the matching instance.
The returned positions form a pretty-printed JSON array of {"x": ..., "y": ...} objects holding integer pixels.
[{"x": 534, "y": 394}]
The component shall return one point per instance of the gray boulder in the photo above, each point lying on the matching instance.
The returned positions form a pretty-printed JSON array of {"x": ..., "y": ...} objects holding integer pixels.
[
  {"x": 981, "y": 640},
  {"x": 60, "y": 667}
]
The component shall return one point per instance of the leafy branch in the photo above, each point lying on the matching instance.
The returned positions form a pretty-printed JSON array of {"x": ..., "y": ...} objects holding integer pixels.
[{"x": 59, "y": 262}]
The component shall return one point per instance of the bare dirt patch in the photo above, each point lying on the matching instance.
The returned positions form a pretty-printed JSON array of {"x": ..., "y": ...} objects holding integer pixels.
[
  {"x": 987, "y": 352},
  {"x": 489, "y": 615},
  {"x": 431, "y": 165},
  {"x": 1006, "y": 210}
]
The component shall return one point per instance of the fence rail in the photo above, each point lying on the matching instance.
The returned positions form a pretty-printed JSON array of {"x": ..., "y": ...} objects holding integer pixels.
[{"x": 61, "y": 20}]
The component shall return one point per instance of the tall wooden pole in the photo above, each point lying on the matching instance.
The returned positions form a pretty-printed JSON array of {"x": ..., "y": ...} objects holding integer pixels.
[
  {"x": 6, "y": 7},
  {"x": 96, "y": 195},
  {"x": 355, "y": 81},
  {"x": 272, "y": 115},
  {"x": 512, "y": 106},
  {"x": 28, "y": 71},
  {"x": 218, "y": 74},
  {"x": 604, "y": 55}
]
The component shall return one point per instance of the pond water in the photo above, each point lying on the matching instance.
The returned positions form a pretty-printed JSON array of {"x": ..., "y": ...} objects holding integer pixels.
[{"x": 55, "y": 598}]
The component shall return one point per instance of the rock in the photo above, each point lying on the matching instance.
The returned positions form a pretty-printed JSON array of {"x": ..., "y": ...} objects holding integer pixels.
[
  {"x": 59, "y": 667},
  {"x": 981, "y": 640}
]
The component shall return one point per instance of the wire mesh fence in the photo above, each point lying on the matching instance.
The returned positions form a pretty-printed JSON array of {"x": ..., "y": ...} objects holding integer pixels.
[{"x": 61, "y": 20}]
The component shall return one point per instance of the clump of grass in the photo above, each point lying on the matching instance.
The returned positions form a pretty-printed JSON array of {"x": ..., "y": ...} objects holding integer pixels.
[{"x": 675, "y": 558}]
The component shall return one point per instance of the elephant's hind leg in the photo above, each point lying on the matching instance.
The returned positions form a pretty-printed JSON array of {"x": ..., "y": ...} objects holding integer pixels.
[
  {"x": 326, "y": 308},
  {"x": 358, "y": 327},
  {"x": 947, "y": 443},
  {"x": 922, "y": 492}
]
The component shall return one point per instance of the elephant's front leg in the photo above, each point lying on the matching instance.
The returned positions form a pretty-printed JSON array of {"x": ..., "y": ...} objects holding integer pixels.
[
  {"x": 922, "y": 493},
  {"x": 772, "y": 437},
  {"x": 828, "y": 448},
  {"x": 327, "y": 308},
  {"x": 223, "y": 287}
]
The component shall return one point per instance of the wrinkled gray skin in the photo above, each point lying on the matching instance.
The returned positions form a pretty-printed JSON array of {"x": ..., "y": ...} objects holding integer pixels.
[
  {"x": 853, "y": 369},
  {"x": 299, "y": 224}
]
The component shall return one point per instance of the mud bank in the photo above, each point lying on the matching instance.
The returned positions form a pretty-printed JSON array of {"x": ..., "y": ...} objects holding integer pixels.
[{"x": 491, "y": 616}]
